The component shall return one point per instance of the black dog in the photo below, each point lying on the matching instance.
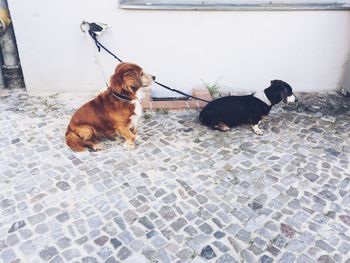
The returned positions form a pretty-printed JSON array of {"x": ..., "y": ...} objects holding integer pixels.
[{"x": 229, "y": 111}]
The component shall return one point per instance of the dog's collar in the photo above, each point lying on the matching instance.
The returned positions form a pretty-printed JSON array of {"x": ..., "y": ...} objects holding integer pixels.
[
  {"x": 121, "y": 97},
  {"x": 262, "y": 96}
]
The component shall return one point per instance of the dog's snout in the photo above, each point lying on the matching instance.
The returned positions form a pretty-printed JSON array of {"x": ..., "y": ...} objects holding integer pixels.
[
  {"x": 291, "y": 99},
  {"x": 153, "y": 77}
]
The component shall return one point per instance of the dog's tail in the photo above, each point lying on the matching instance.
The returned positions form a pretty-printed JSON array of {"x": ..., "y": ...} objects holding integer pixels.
[{"x": 74, "y": 141}]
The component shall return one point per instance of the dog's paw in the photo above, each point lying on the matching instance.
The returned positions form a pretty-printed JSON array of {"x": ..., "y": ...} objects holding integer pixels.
[
  {"x": 98, "y": 147},
  {"x": 129, "y": 145},
  {"x": 257, "y": 130},
  {"x": 133, "y": 130},
  {"x": 222, "y": 127},
  {"x": 260, "y": 133}
]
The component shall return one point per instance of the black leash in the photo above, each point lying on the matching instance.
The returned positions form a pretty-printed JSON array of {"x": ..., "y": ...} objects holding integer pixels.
[
  {"x": 180, "y": 92},
  {"x": 93, "y": 28}
]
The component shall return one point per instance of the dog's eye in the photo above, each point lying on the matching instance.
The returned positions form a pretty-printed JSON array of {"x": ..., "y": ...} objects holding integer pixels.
[{"x": 141, "y": 74}]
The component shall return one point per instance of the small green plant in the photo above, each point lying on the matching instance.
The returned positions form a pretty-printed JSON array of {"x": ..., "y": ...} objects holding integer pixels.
[
  {"x": 213, "y": 88},
  {"x": 53, "y": 96},
  {"x": 147, "y": 116},
  {"x": 193, "y": 255},
  {"x": 162, "y": 111}
]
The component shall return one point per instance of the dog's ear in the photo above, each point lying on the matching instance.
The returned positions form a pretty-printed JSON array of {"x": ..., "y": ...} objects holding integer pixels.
[
  {"x": 131, "y": 82},
  {"x": 280, "y": 85},
  {"x": 116, "y": 79},
  {"x": 284, "y": 95},
  {"x": 119, "y": 67},
  {"x": 115, "y": 82},
  {"x": 277, "y": 82}
]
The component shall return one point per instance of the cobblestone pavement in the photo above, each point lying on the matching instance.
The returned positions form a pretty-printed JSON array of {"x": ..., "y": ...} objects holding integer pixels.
[{"x": 185, "y": 194}]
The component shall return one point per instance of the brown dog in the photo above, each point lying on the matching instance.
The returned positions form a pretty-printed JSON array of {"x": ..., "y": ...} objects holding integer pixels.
[{"x": 116, "y": 110}]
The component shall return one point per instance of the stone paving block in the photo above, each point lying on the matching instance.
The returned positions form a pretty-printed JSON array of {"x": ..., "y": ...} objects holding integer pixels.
[
  {"x": 70, "y": 254},
  {"x": 89, "y": 260},
  {"x": 247, "y": 256},
  {"x": 184, "y": 255},
  {"x": 12, "y": 240},
  {"x": 206, "y": 228},
  {"x": 8, "y": 255},
  {"x": 178, "y": 224},
  {"x": 226, "y": 258},
  {"x": 123, "y": 253},
  {"x": 196, "y": 243},
  {"x": 57, "y": 259}
]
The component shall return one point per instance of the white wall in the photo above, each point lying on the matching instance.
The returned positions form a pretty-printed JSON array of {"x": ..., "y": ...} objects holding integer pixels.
[{"x": 244, "y": 49}]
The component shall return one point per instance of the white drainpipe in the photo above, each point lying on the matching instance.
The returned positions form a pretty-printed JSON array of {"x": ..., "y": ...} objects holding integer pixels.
[{"x": 11, "y": 67}]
